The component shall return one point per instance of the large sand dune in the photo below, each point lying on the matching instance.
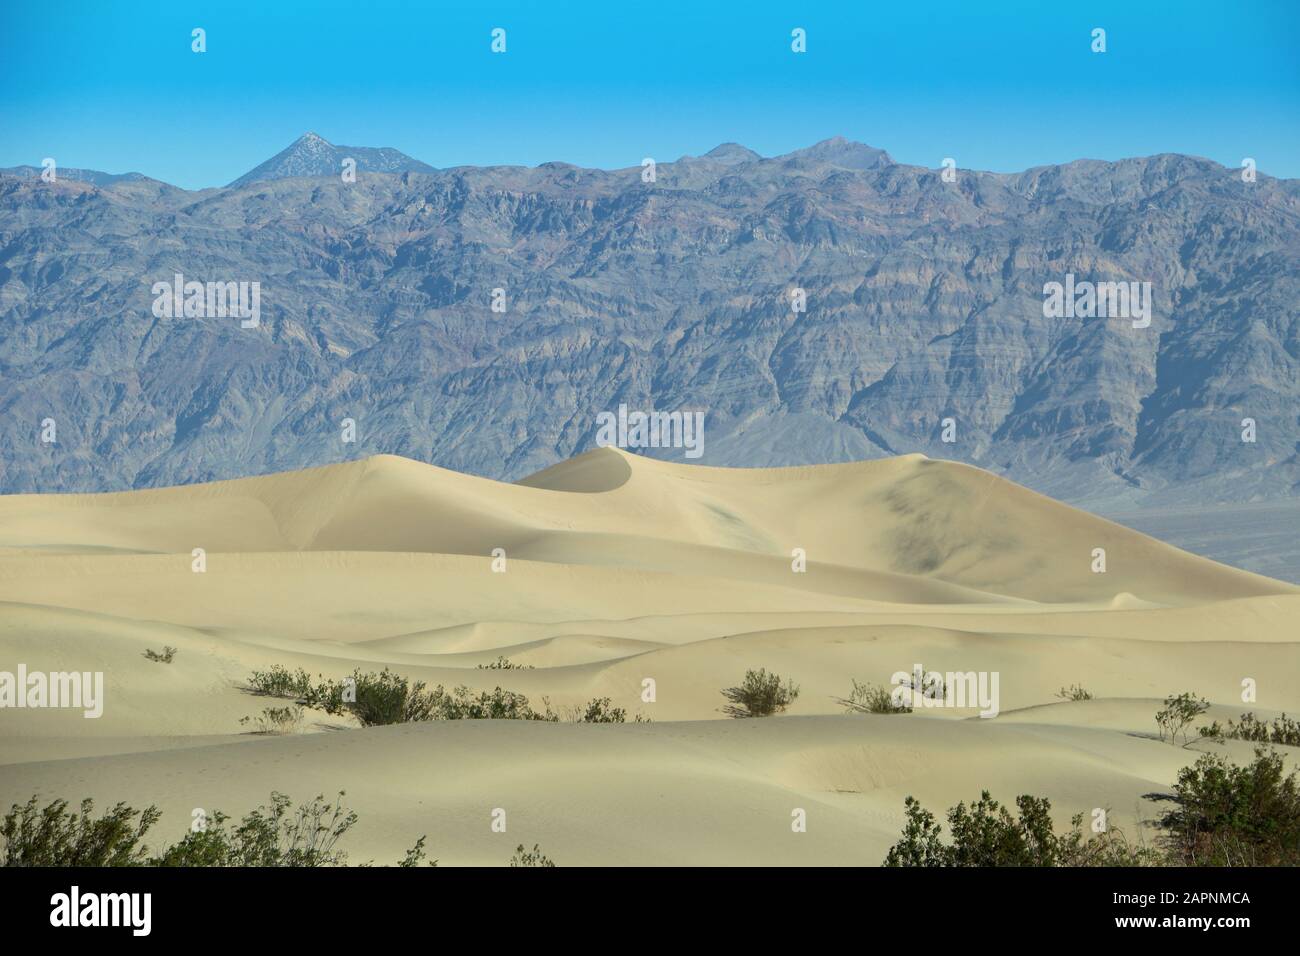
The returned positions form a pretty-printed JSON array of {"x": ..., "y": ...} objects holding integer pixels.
[{"x": 618, "y": 569}]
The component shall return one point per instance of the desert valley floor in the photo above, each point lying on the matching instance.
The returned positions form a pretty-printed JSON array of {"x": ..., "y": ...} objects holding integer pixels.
[{"x": 621, "y": 568}]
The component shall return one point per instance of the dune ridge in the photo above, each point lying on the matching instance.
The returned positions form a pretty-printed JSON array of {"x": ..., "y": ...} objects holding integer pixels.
[{"x": 620, "y": 568}]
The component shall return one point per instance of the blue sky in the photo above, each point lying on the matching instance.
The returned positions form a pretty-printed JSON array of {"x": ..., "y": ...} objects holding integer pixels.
[{"x": 1001, "y": 86}]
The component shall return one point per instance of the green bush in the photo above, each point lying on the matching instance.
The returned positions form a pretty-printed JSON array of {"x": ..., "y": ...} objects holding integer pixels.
[
  {"x": 269, "y": 836},
  {"x": 376, "y": 699},
  {"x": 280, "y": 682},
  {"x": 276, "y": 836},
  {"x": 1230, "y": 815},
  {"x": 760, "y": 695},
  {"x": 388, "y": 698},
  {"x": 533, "y": 857},
  {"x": 1178, "y": 714},
  {"x": 1073, "y": 692},
  {"x": 1223, "y": 815},
  {"x": 871, "y": 699},
  {"x": 497, "y": 704},
  {"x": 600, "y": 710},
  {"x": 1283, "y": 730},
  {"x": 165, "y": 657},
  {"x": 277, "y": 720},
  {"x": 503, "y": 664},
  {"x": 415, "y": 855},
  {"x": 55, "y": 836},
  {"x": 986, "y": 834}
]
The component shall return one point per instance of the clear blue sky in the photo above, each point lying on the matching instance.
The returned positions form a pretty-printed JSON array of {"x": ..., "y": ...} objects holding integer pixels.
[{"x": 1001, "y": 86}]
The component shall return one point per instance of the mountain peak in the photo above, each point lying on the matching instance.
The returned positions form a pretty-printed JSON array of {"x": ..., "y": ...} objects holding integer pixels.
[
  {"x": 313, "y": 155},
  {"x": 732, "y": 154},
  {"x": 845, "y": 153}
]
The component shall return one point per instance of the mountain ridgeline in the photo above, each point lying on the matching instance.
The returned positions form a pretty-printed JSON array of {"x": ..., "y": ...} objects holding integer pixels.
[{"x": 820, "y": 306}]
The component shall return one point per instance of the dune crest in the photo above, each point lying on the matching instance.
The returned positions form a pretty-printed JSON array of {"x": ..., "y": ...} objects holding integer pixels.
[{"x": 591, "y": 577}]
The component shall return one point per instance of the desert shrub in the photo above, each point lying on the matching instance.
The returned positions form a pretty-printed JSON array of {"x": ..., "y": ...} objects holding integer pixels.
[
  {"x": 931, "y": 687},
  {"x": 1283, "y": 730},
  {"x": 600, "y": 711},
  {"x": 415, "y": 855},
  {"x": 269, "y": 836},
  {"x": 497, "y": 704},
  {"x": 1223, "y": 815},
  {"x": 504, "y": 664},
  {"x": 760, "y": 695},
  {"x": 280, "y": 682},
  {"x": 533, "y": 857},
  {"x": 375, "y": 699},
  {"x": 1231, "y": 815},
  {"x": 871, "y": 699},
  {"x": 55, "y": 836},
  {"x": 388, "y": 698},
  {"x": 276, "y": 836},
  {"x": 166, "y": 656},
  {"x": 277, "y": 720},
  {"x": 1073, "y": 692},
  {"x": 987, "y": 834},
  {"x": 1178, "y": 714}
]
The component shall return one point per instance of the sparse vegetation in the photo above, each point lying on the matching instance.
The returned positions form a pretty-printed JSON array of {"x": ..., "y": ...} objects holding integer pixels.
[
  {"x": 1224, "y": 815},
  {"x": 1073, "y": 692},
  {"x": 268, "y": 836},
  {"x": 277, "y": 836},
  {"x": 388, "y": 698},
  {"x": 874, "y": 699},
  {"x": 165, "y": 656},
  {"x": 279, "y": 681},
  {"x": 986, "y": 834},
  {"x": 871, "y": 699},
  {"x": 599, "y": 710},
  {"x": 375, "y": 699},
  {"x": 504, "y": 664},
  {"x": 932, "y": 685},
  {"x": 415, "y": 855},
  {"x": 1178, "y": 713},
  {"x": 533, "y": 857},
  {"x": 277, "y": 720},
  {"x": 760, "y": 695},
  {"x": 497, "y": 704},
  {"x": 1283, "y": 730},
  {"x": 56, "y": 836}
]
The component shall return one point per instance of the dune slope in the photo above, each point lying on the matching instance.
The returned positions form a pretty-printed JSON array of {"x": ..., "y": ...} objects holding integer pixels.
[{"x": 597, "y": 576}]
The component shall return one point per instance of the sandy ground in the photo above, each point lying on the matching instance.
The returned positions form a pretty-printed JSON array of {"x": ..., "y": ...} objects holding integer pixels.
[{"x": 621, "y": 569}]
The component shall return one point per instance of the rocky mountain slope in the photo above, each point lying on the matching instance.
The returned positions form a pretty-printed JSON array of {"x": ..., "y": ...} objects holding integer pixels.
[
  {"x": 311, "y": 155},
  {"x": 924, "y": 319}
]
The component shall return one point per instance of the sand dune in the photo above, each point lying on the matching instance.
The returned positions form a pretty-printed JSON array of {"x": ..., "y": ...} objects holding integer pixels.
[{"x": 618, "y": 569}]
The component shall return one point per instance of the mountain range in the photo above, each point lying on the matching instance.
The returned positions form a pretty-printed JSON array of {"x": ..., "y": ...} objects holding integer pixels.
[{"x": 824, "y": 305}]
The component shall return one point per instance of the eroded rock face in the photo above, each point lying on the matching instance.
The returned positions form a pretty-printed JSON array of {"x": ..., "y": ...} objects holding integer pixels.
[{"x": 924, "y": 303}]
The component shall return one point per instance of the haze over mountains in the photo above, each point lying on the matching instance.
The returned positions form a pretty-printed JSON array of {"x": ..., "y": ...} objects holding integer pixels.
[{"x": 924, "y": 303}]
